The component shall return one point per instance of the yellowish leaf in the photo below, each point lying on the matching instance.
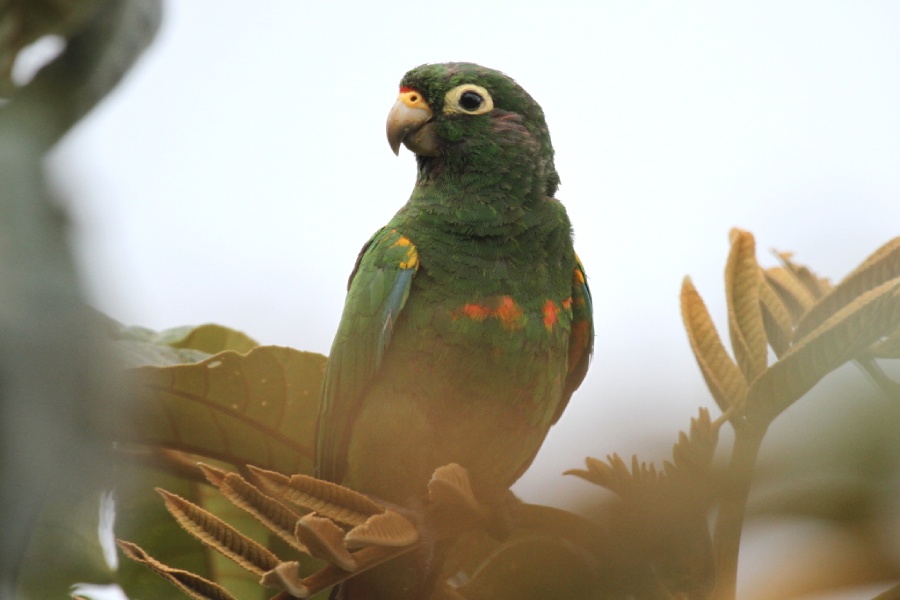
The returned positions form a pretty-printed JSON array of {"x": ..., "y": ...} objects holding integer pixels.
[
  {"x": 220, "y": 536},
  {"x": 847, "y": 333},
  {"x": 193, "y": 585},
  {"x": 745, "y": 321},
  {"x": 725, "y": 381},
  {"x": 815, "y": 285},
  {"x": 776, "y": 318},
  {"x": 793, "y": 294},
  {"x": 883, "y": 265}
]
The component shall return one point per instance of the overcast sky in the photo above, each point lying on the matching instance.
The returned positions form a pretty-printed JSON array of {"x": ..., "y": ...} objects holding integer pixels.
[{"x": 235, "y": 174}]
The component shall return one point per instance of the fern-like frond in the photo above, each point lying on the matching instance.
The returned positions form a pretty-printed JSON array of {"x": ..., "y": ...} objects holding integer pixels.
[{"x": 723, "y": 377}]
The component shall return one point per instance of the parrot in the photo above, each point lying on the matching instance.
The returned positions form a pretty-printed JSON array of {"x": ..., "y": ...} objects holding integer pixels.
[{"x": 468, "y": 320}]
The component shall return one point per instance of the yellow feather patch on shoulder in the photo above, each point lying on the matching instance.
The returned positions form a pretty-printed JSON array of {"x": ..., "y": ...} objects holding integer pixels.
[{"x": 410, "y": 259}]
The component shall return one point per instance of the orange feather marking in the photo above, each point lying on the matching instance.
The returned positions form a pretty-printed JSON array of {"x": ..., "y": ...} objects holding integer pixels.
[
  {"x": 509, "y": 313},
  {"x": 551, "y": 312},
  {"x": 476, "y": 312}
]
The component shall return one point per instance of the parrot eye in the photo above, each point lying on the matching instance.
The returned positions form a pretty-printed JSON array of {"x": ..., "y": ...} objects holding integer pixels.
[{"x": 468, "y": 99}]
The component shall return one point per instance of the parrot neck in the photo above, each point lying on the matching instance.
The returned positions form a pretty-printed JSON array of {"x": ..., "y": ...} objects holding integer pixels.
[{"x": 489, "y": 202}]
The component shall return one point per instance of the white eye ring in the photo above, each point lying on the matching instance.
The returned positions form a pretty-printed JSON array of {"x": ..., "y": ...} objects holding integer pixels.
[{"x": 453, "y": 98}]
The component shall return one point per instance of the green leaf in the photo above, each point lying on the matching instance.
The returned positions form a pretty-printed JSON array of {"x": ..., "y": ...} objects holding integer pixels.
[
  {"x": 139, "y": 346},
  {"x": 258, "y": 408},
  {"x": 211, "y": 339},
  {"x": 144, "y": 520},
  {"x": 141, "y": 517}
]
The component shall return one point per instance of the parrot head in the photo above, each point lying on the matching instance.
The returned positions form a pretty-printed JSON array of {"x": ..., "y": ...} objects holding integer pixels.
[{"x": 464, "y": 119}]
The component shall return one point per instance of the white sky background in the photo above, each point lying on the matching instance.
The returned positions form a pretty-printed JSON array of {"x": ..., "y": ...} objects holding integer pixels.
[{"x": 235, "y": 174}]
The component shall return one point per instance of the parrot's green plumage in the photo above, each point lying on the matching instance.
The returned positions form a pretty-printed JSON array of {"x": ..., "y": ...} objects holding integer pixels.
[{"x": 467, "y": 324}]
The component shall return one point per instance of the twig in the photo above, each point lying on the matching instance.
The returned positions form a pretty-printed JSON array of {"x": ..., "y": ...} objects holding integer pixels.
[{"x": 730, "y": 520}]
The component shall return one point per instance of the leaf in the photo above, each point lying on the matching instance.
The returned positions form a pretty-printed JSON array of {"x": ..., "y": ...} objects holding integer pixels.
[
  {"x": 274, "y": 515},
  {"x": 793, "y": 294},
  {"x": 694, "y": 452},
  {"x": 286, "y": 576},
  {"x": 257, "y": 408},
  {"x": 745, "y": 321},
  {"x": 139, "y": 346},
  {"x": 776, "y": 318},
  {"x": 142, "y": 519},
  {"x": 325, "y": 540},
  {"x": 103, "y": 40},
  {"x": 193, "y": 585},
  {"x": 450, "y": 485},
  {"x": 844, "y": 335},
  {"x": 883, "y": 265},
  {"x": 615, "y": 476},
  {"x": 385, "y": 529},
  {"x": 220, "y": 536},
  {"x": 237, "y": 580},
  {"x": 326, "y": 498},
  {"x": 132, "y": 353},
  {"x": 725, "y": 381},
  {"x": 533, "y": 567},
  {"x": 816, "y": 286},
  {"x": 212, "y": 339}
]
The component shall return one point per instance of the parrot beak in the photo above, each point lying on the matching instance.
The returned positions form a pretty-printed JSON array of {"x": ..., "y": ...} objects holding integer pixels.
[{"x": 409, "y": 123}]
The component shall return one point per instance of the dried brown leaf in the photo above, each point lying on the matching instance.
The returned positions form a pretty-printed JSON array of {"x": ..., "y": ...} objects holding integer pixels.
[
  {"x": 796, "y": 298},
  {"x": 776, "y": 318},
  {"x": 839, "y": 339},
  {"x": 193, "y": 585},
  {"x": 325, "y": 540},
  {"x": 213, "y": 475},
  {"x": 695, "y": 451},
  {"x": 218, "y": 535},
  {"x": 386, "y": 529},
  {"x": 745, "y": 321},
  {"x": 326, "y": 498},
  {"x": 615, "y": 476},
  {"x": 883, "y": 265},
  {"x": 725, "y": 381},
  {"x": 286, "y": 576},
  {"x": 272, "y": 514},
  {"x": 450, "y": 485}
]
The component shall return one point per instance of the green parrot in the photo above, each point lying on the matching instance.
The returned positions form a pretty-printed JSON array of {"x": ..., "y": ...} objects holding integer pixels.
[{"x": 467, "y": 324}]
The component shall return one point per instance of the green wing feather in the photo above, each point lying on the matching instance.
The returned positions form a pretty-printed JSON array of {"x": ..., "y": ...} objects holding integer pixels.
[
  {"x": 378, "y": 289},
  {"x": 581, "y": 337}
]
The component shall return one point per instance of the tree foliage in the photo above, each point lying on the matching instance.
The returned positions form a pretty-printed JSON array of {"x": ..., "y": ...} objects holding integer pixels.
[{"x": 206, "y": 436}]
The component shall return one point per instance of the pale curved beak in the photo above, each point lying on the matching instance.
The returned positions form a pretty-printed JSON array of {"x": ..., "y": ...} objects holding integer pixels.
[{"x": 408, "y": 123}]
